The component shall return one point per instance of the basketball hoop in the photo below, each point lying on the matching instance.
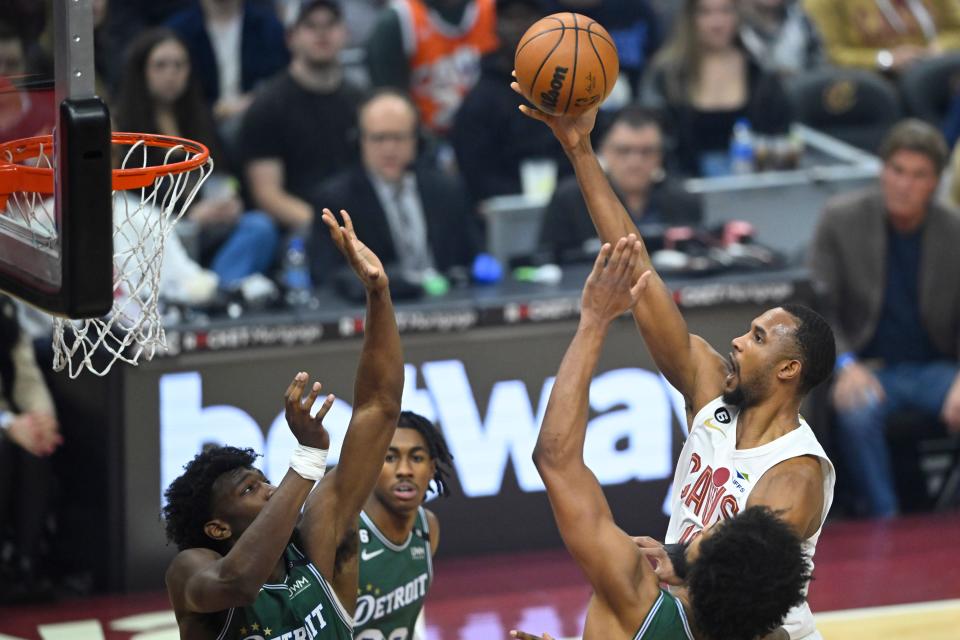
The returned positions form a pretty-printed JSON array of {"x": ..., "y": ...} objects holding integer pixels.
[{"x": 158, "y": 179}]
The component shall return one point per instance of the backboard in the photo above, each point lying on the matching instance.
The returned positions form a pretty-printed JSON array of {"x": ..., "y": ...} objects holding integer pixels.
[{"x": 56, "y": 244}]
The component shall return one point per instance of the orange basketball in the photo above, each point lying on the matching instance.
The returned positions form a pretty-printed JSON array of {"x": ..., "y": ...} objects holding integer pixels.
[{"x": 566, "y": 63}]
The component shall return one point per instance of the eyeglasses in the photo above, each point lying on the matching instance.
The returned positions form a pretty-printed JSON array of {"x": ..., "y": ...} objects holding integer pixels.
[
  {"x": 388, "y": 136},
  {"x": 644, "y": 151}
]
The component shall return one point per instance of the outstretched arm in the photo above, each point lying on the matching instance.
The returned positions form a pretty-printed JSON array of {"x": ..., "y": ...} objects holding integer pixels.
[
  {"x": 201, "y": 580},
  {"x": 619, "y": 574},
  {"x": 333, "y": 508},
  {"x": 687, "y": 361}
]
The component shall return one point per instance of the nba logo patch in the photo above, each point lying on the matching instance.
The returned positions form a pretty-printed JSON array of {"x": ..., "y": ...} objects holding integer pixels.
[{"x": 722, "y": 416}]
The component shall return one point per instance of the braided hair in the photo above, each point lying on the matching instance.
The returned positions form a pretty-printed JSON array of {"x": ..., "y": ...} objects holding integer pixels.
[{"x": 436, "y": 447}]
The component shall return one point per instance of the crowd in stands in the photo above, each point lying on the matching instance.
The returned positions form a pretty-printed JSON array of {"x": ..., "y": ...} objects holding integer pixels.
[{"x": 401, "y": 112}]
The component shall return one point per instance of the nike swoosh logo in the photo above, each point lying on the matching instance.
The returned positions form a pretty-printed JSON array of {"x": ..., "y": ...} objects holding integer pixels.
[
  {"x": 709, "y": 424},
  {"x": 368, "y": 556}
]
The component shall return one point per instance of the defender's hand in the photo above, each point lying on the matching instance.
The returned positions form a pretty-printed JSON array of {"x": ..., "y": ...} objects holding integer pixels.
[
  {"x": 611, "y": 287},
  {"x": 37, "y": 433},
  {"x": 657, "y": 554},
  {"x": 364, "y": 262},
  {"x": 571, "y": 131},
  {"x": 307, "y": 429}
]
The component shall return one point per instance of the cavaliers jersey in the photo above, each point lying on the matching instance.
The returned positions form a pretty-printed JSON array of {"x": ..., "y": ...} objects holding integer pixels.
[
  {"x": 394, "y": 580},
  {"x": 303, "y": 607},
  {"x": 444, "y": 59},
  {"x": 714, "y": 479},
  {"x": 666, "y": 621}
]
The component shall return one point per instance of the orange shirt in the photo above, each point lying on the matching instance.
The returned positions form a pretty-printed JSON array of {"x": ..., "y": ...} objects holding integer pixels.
[{"x": 445, "y": 59}]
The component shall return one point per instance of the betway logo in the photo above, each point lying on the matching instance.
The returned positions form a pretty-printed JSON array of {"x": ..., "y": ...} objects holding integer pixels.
[
  {"x": 630, "y": 439},
  {"x": 549, "y": 98}
]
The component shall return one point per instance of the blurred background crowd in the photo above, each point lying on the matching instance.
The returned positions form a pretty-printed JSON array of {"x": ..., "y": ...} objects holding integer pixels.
[{"x": 401, "y": 113}]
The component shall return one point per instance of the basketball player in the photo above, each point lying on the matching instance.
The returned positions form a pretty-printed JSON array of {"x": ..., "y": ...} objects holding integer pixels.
[
  {"x": 244, "y": 568},
  {"x": 398, "y": 537},
  {"x": 748, "y": 444},
  {"x": 627, "y": 601}
]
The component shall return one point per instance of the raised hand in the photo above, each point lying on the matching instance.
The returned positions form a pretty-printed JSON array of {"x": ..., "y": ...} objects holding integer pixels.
[
  {"x": 612, "y": 288},
  {"x": 657, "y": 554},
  {"x": 38, "y": 433},
  {"x": 307, "y": 429},
  {"x": 571, "y": 131},
  {"x": 363, "y": 261}
]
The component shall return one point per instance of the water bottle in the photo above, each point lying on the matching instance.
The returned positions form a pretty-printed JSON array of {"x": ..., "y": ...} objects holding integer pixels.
[
  {"x": 741, "y": 148},
  {"x": 296, "y": 273}
]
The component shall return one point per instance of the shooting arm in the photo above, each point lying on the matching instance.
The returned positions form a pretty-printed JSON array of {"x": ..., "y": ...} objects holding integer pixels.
[{"x": 687, "y": 361}]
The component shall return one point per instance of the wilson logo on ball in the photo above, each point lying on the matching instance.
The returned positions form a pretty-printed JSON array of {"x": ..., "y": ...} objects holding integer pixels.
[{"x": 550, "y": 98}]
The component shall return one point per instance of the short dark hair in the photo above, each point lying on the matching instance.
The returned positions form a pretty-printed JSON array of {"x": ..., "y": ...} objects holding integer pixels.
[
  {"x": 748, "y": 575},
  {"x": 190, "y": 497},
  {"x": 918, "y": 136},
  {"x": 634, "y": 116},
  {"x": 309, "y": 6},
  {"x": 816, "y": 343},
  {"x": 436, "y": 447}
]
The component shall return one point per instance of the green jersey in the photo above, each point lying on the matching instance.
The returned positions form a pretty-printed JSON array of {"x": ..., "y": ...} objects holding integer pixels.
[
  {"x": 666, "y": 621},
  {"x": 393, "y": 581},
  {"x": 303, "y": 607}
]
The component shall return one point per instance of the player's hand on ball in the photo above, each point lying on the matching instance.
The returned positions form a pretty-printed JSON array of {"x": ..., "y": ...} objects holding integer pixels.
[
  {"x": 308, "y": 429},
  {"x": 364, "y": 262},
  {"x": 612, "y": 288},
  {"x": 571, "y": 131},
  {"x": 657, "y": 554}
]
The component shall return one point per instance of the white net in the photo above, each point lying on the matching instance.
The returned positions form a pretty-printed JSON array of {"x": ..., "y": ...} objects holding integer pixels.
[{"x": 142, "y": 221}]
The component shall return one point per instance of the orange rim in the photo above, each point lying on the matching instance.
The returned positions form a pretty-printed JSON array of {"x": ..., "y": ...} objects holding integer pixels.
[{"x": 16, "y": 177}]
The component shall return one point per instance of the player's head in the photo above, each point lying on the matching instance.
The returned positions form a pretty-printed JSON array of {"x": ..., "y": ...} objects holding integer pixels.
[
  {"x": 790, "y": 348},
  {"x": 216, "y": 498},
  {"x": 318, "y": 34},
  {"x": 417, "y": 456},
  {"x": 744, "y": 575},
  {"x": 632, "y": 150},
  {"x": 388, "y": 134}
]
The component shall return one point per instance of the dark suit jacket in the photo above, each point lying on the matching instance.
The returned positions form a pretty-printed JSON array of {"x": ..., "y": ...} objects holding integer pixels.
[
  {"x": 263, "y": 47},
  {"x": 451, "y": 224},
  {"x": 848, "y": 263},
  {"x": 567, "y": 224}
]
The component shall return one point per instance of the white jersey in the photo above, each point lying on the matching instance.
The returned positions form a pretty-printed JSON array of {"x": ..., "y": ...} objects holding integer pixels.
[{"x": 714, "y": 479}]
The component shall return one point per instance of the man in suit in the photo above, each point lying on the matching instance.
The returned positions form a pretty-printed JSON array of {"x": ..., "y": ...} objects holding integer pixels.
[
  {"x": 418, "y": 219},
  {"x": 632, "y": 153},
  {"x": 884, "y": 263}
]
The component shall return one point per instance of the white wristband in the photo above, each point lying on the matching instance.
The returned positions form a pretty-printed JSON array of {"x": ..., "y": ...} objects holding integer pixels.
[{"x": 309, "y": 462}]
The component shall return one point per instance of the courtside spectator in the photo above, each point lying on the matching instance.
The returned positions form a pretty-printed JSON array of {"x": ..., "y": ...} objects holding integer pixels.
[
  {"x": 779, "y": 35},
  {"x": 704, "y": 80},
  {"x": 632, "y": 152},
  {"x": 234, "y": 45},
  {"x": 886, "y": 35},
  {"x": 299, "y": 129},
  {"x": 432, "y": 49},
  {"x": 160, "y": 94},
  {"x": 415, "y": 218},
  {"x": 885, "y": 265}
]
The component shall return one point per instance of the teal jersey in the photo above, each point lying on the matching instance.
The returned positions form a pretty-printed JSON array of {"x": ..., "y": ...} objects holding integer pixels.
[
  {"x": 393, "y": 581},
  {"x": 666, "y": 621},
  {"x": 303, "y": 607}
]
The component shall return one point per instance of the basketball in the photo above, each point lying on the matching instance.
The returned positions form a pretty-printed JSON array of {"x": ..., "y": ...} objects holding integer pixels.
[{"x": 566, "y": 63}]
